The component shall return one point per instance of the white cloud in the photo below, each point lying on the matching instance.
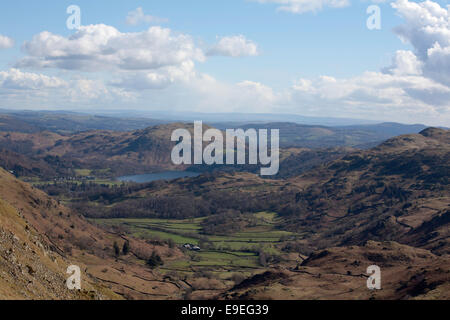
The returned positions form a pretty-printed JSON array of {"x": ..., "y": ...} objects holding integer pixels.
[
  {"x": 33, "y": 90},
  {"x": 302, "y": 6},
  {"x": 234, "y": 46},
  {"x": 92, "y": 89},
  {"x": 157, "y": 79},
  {"x": 138, "y": 16},
  {"x": 427, "y": 28},
  {"x": 373, "y": 93},
  {"x": 438, "y": 63},
  {"x": 5, "y": 42},
  {"x": 17, "y": 80},
  {"x": 405, "y": 63},
  {"x": 206, "y": 94},
  {"x": 101, "y": 47}
]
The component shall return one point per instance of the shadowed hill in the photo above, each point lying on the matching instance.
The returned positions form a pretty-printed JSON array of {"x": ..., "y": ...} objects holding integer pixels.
[
  {"x": 307, "y": 136},
  {"x": 340, "y": 273},
  {"x": 106, "y": 153},
  {"x": 69, "y": 122}
]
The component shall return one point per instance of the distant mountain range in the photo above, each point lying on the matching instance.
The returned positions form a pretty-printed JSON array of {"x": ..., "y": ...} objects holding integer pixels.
[
  {"x": 140, "y": 119},
  {"x": 68, "y": 122},
  {"x": 309, "y": 136},
  {"x": 54, "y": 144}
]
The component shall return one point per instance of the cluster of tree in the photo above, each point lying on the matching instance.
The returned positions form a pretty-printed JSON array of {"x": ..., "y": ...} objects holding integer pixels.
[
  {"x": 124, "y": 251},
  {"x": 227, "y": 222},
  {"x": 91, "y": 191},
  {"x": 181, "y": 206},
  {"x": 155, "y": 261},
  {"x": 22, "y": 147}
]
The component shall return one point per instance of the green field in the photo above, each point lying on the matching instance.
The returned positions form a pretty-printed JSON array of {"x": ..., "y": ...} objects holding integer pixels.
[
  {"x": 236, "y": 252},
  {"x": 83, "y": 172}
]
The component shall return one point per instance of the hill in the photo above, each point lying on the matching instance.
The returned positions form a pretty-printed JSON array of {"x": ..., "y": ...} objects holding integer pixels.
[
  {"x": 340, "y": 274},
  {"x": 69, "y": 122},
  {"x": 105, "y": 153},
  {"x": 40, "y": 238},
  {"x": 391, "y": 192},
  {"x": 315, "y": 136},
  {"x": 397, "y": 191}
]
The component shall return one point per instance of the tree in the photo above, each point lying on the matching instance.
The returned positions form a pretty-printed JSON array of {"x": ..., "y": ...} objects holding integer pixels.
[
  {"x": 126, "y": 248},
  {"x": 116, "y": 249},
  {"x": 154, "y": 261},
  {"x": 171, "y": 243}
]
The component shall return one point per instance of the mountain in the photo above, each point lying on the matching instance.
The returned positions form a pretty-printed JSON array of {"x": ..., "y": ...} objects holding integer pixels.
[
  {"x": 387, "y": 129},
  {"x": 104, "y": 153},
  {"x": 242, "y": 118},
  {"x": 317, "y": 136}
]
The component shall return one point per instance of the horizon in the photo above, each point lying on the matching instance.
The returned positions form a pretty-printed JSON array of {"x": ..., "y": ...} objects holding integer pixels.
[{"x": 192, "y": 116}]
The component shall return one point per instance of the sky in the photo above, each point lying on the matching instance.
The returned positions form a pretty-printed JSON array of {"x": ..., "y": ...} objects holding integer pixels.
[{"x": 305, "y": 57}]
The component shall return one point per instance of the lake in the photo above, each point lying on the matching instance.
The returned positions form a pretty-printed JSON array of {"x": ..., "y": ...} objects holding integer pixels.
[{"x": 167, "y": 175}]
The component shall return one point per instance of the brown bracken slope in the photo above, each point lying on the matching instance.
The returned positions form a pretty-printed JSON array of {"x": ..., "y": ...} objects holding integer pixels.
[{"x": 40, "y": 238}]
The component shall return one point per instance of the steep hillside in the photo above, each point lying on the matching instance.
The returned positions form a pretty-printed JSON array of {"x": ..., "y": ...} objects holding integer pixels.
[
  {"x": 24, "y": 166},
  {"x": 40, "y": 238},
  {"x": 28, "y": 268}
]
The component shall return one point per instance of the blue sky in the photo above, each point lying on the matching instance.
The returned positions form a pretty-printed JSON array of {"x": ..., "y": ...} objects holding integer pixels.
[
  {"x": 295, "y": 51},
  {"x": 309, "y": 45}
]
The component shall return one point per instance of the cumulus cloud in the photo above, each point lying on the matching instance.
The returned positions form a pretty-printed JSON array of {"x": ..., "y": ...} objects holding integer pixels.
[
  {"x": 18, "y": 80},
  {"x": 405, "y": 63},
  {"x": 26, "y": 89},
  {"x": 138, "y": 16},
  {"x": 427, "y": 29},
  {"x": 234, "y": 46},
  {"x": 374, "y": 89},
  {"x": 149, "y": 59},
  {"x": 101, "y": 47},
  {"x": 302, "y": 6},
  {"x": 205, "y": 92},
  {"x": 5, "y": 42},
  {"x": 438, "y": 64},
  {"x": 157, "y": 79},
  {"x": 95, "y": 89}
]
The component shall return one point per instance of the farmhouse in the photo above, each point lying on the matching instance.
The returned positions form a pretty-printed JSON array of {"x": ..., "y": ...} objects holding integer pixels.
[{"x": 191, "y": 247}]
